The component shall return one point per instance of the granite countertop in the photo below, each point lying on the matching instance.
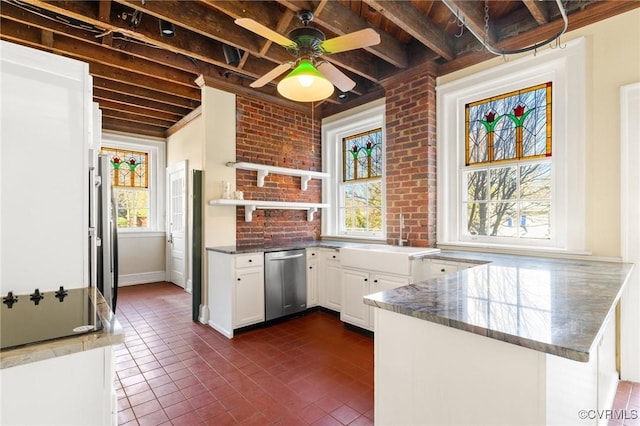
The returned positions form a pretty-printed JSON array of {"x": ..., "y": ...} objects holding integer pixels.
[
  {"x": 550, "y": 305},
  {"x": 111, "y": 334}
]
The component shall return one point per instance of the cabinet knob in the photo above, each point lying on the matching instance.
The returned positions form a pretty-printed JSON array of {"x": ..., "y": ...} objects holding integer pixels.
[
  {"x": 313, "y": 254},
  {"x": 250, "y": 260},
  {"x": 366, "y": 279},
  {"x": 375, "y": 281},
  {"x": 238, "y": 279},
  {"x": 310, "y": 267},
  {"x": 334, "y": 256},
  {"x": 442, "y": 270}
]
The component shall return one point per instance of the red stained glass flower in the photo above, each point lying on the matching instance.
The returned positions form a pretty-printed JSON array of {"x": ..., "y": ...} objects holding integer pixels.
[
  {"x": 369, "y": 145},
  {"x": 132, "y": 161},
  {"x": 354, "y": 149},
  {"x": 491, "y": 117},
  {"x": 518, "y": 111},
  {"x": 116, "y": 160}
]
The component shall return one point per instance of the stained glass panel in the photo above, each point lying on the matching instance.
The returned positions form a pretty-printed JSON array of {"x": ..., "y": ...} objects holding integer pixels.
[
  {"x": 511, "y": 126},
  {"x": 362, "y": 156},
  {"x": 129, "y": 168}
]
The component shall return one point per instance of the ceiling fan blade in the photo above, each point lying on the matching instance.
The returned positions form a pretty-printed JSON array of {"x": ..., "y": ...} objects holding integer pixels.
[
  {"x": 355, "y": 40},
  {"x": 337, "y": 77},
  {"x": 265, "y": 32},
  {"x": 271, "y": 75}
]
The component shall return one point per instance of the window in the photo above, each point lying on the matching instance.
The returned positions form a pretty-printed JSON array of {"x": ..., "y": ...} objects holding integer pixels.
[
  {"x": 353, "y": 155},
  {"x": 137, "y": 176},
  {"x": 129, "y": 176},
  {"x": 507, "y": 173},
  {"x": 511, "y": 160},
  {"x": 361, "y": 187}
]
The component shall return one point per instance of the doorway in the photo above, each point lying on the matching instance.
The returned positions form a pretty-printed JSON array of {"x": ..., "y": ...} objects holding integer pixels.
[{"x": 177, "y": 225}]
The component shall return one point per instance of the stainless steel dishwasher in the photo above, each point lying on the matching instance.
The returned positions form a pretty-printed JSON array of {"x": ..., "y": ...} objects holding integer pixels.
[{"x": 285, "y": 283}]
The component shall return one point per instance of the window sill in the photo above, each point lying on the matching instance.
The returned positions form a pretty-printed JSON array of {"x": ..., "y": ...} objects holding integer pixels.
[
  {"x": 549, "y": 252},
  {"x": 140, "y": 234},
  {"x": 353, "y": 239}
]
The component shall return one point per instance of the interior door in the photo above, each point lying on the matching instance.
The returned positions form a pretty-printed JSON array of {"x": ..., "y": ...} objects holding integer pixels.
[{"x": 177, "y": 223}]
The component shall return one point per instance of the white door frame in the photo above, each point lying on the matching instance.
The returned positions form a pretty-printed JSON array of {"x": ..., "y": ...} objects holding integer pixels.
[
  {"x": 176, "y": 167},
  {"x": 630, "y": 230}
]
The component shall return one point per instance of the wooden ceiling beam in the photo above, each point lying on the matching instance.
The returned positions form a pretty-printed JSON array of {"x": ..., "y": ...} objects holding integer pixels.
[
  {"x": 138, "y": 102},
  {"x": 128, "y": 87},
  {"x": 122, "y": 126},
  {"x": 111, "y": 104},
  {"x": 135, "y": 118},
  {"x": 539, "y": 10},
  {"x": 403, "y": 14}
]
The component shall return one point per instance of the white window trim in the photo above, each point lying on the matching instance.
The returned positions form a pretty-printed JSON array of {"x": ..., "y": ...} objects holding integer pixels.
[
  {"x": 334, "y": 129},
  {"x": 565, "y": 68},
  {"x": 156, "y": 149}
]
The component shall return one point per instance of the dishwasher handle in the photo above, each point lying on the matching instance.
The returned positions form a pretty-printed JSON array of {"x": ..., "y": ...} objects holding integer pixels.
[{"x": 291, "y": 256}]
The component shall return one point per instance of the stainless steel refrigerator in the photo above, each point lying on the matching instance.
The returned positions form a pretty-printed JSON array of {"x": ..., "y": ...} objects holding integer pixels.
[{"x": 103, "y": 224}]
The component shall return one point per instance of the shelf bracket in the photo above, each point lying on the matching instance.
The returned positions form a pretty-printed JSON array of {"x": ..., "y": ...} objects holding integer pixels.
[
  {"x": 248, "y": 212},
  {"x": 262, "y": 173},
  {"x": 304, "y": 180},
  {"x": 310, "y": 213}
]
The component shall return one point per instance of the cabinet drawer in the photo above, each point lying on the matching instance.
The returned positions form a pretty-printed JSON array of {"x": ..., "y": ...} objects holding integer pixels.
[
  {"x": 332, "y": 256},
  {"x": 247, "y": 260}
]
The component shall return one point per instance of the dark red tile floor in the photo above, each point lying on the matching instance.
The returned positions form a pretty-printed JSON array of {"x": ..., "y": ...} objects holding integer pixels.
[
  {"x": 626, "y": 405},
  {"x": 172, "y": 371}
]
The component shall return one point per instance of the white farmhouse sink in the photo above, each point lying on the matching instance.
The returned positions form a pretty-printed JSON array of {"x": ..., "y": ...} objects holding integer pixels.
[{"x": 382, "y": 258}]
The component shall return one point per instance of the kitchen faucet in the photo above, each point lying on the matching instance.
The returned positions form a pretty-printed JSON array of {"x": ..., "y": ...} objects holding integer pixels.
[{"x": 400, "y": 240}]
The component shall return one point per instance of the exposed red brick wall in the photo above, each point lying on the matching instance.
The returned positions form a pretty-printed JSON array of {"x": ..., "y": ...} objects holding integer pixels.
[
  {"x": 273, "y": 135},
  {"x": 411, "y": 159}
]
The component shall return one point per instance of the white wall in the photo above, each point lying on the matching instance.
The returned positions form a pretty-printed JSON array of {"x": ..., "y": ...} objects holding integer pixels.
[{"x": 613, "y": 60}]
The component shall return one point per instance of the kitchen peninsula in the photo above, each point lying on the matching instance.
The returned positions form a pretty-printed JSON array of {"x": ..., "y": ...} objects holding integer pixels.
[{"x": 517, "y": 340}]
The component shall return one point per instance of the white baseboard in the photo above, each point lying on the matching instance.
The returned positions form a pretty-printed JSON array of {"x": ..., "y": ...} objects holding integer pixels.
[
  {"x": 204, "y": 314},
  {"x": 141, "y": 278}
]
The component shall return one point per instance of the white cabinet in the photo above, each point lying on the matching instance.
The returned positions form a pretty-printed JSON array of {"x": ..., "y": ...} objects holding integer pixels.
[
  {"x": 248, "y": 301},
  {"x": 312, "y": 277},
  {"x": 236, "y": 290},
  {"x": 329, "y": 287},
  {"x": 74, "y": 389},
  {"x": 356, "y": 284}
]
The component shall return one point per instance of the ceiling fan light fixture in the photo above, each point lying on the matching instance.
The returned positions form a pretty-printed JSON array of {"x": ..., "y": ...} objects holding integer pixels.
[{"x": 305, "y": 84}]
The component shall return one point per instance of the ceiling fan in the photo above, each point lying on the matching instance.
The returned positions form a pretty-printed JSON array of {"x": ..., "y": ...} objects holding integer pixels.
[{"x": 312, "y": 79}]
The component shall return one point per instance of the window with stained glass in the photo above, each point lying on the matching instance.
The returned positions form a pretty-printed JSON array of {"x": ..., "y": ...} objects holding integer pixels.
[
  {"x": 130, "y": 180},
  {"x": 361, "y": 206},
  {"x": 362, "y": 155},
  {"x": 508, "y": 169},
  {"x": 512, "y": 126}
]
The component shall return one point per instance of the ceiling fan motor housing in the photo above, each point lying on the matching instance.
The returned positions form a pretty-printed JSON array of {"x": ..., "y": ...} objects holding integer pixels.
[{"x": 308, "y": 41}]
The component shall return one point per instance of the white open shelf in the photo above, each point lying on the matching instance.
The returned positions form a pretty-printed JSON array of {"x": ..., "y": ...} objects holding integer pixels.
[
  {"x": 251, "y": 205},
  {"x": 263, "y": 171}
]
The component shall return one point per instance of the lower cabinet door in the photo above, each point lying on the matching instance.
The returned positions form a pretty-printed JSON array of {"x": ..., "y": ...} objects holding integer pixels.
[
  {"x": 312, "y": 283},
  {"x": 355, "y": 285},
  {"x": 248, "y": 300}
]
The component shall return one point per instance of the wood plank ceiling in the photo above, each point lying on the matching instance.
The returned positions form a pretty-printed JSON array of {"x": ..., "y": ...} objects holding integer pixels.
[{"x": 145, "y": 83}]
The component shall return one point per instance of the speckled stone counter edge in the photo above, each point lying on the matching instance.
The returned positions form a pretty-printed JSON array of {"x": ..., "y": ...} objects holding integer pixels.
[{"x": 111, "y": 334}]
